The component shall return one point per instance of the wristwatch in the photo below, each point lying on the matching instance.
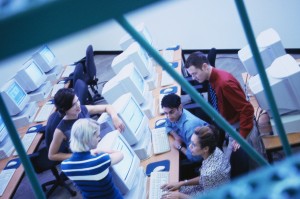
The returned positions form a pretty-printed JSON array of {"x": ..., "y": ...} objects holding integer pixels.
[{"x": 179, "y": 147}]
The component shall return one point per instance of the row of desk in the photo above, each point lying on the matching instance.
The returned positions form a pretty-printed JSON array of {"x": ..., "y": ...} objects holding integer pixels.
[
  {"x": 172, "y": 155},
  {"x": 19, "y": 173}
]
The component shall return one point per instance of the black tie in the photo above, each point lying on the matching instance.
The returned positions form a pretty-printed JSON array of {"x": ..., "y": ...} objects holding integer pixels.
[{"x": 213, "y": 98}]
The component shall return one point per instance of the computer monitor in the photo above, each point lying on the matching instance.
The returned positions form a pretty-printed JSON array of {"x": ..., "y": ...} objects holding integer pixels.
[
  {"x": 136, "y": 122},
  {"x": 14, "y": 96},
  {"x": 124, "y": 173},
  {"x": 31, "y": 76},
  {"x": 45, "y": 58},
  {"x": 270, "y": 47},
  {"x": 6, "y": 145},
  {"x": 3, "y": 131},
  {"x": 127, "y": 40},
  {"x": 283, "y": 76},
  {"x": 136, "y": 54},
  {"x": 127, "y": 80}
]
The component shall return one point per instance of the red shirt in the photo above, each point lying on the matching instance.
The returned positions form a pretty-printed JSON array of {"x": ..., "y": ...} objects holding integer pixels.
[{"x": 232, "y": 102}]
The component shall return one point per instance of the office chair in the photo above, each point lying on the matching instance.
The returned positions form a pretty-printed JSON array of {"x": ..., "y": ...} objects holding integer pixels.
[
  {"x": 41, "y": 162},
  {"x": 91, "y": 72},
  {"x": 82, "y": 92},
  {"x": 240, "y": 163}
]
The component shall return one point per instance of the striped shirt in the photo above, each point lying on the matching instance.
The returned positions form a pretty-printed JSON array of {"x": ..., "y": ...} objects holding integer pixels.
[{"x": 91, "y": 175}]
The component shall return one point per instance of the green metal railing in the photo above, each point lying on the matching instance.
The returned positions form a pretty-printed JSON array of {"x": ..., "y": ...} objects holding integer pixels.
[{"x": 55, "y": 19}]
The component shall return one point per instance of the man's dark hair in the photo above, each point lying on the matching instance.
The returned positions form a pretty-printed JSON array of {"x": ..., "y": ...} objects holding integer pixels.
[
  {"x": 171, "y": 101},
  {"x": 196, "y": 59}
]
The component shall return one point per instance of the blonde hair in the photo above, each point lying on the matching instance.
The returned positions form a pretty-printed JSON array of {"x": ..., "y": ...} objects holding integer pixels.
[{"x": 82, "y": 135}]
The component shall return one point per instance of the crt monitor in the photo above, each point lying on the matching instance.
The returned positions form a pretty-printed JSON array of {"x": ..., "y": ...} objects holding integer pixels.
[
  {"x": 283, "y": 76},
  {"x": 14, "y": 96},
  {"x": 136, "y": 54},
  {"x": 45, "y": 58},
  {"x": 270, "y": 47},
  {"x": 31, "y": 76},
  {"x": 135, "y": 120},
  {"x": 127, "y": 80},
  {"x": 124, "y": 173},
  {"x": 127, "y": 40},
  {"x": 3, "y": 131}
]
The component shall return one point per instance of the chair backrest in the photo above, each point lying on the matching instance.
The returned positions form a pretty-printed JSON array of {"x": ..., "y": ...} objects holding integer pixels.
[
  {"x": 82, "y": 92},
  {"x": 52, "y": 123},
  {"x": 90, "y": 64},
  {"x": 78, "y": 73},
  {"x": 211, "y": 56}
]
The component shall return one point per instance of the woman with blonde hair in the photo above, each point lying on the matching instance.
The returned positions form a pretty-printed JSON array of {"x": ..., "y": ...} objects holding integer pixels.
[{"x": 88, "y": 167}]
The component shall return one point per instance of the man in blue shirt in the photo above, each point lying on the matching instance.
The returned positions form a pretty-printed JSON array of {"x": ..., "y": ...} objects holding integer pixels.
[{"x": 181, "y": 124}]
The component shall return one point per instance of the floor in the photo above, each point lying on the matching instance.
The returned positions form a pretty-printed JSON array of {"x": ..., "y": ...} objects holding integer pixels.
[{"x": 228, "y": 62}]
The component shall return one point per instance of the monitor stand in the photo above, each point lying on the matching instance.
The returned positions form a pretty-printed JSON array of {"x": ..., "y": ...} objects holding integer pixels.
[
  {"x": 290, "y": 123},
  {"x": 139, "y": 188},
  {"x": 143, "y": 148},
  {"x": 26, "y": 116},
  {"x": 148, "y": 106},
  {"x": 55, "y": 73},
  {"x": 41, "y": 93}
]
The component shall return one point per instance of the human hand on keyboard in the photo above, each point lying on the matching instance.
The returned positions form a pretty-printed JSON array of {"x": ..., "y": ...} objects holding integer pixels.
[
  {"x": 171, "y": 186},
  {"x": 173, "y": 195}
]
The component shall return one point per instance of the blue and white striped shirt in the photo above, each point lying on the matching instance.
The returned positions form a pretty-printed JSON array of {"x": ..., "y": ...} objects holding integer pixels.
[{"x": 91, "y": 175}]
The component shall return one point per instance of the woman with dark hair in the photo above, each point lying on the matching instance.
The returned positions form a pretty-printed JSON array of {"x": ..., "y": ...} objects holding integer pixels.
[
  {"x": 215, "y": 169},
  {"x": 68, "y": 105}
]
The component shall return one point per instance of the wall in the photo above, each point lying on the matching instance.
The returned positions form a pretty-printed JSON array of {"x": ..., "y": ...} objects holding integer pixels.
[{"x": 193, "y": 24}]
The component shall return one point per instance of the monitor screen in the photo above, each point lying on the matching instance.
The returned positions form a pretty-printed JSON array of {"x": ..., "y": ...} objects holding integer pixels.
[
  {"x": 124, "y": 172},
  {"x": 47, "y": 55},
  {"x": 132, "y": 115},
  {"x": 14, "y": 97},
  {"x": 284, "y": 83},
  {"x": 31, "y": 76},
  {"x": 45, "y": 59},
  {"x": 3, "y": 131}
]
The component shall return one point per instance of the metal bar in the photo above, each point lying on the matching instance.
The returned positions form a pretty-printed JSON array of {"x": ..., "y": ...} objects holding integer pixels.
[
  {"x": 21, "y": 151},
  {"x": 260, "y": 67},
  {"x": 191, "y": 91},
  {"x": 41, "y": 21}
]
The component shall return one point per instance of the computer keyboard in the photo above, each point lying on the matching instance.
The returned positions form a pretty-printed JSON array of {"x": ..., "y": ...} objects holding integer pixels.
[
  {"x": 55, "y": 88},
  {"x": 5, "y": 177},
  {"x": 168, "y": 55},
  {"x": 166, "y": 79},
  {"x": 27, "y": 139},
  {"x": 44, "y": 113},
  {"x": 157, "y": 179},
  {"x": 160, "y": 140}
]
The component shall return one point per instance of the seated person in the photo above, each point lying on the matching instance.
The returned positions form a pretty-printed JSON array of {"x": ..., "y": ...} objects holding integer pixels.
[
  {"x": 88, "y": 167},
  {"x": 181, "y": 124},
  {"x": 215, "y": 169},
  {"x": 68, "y": 105}
]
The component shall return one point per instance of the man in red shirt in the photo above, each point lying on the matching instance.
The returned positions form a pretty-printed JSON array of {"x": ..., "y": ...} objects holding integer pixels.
[{"x": 229, "y": 98}]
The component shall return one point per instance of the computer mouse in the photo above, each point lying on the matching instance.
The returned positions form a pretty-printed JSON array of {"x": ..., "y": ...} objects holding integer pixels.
[
  {"x": 12, "y": 163},
  {"x": 168, "y": 90},
  {"x": 33, "y": 128},
  {"x": 160, "y": 122},
  {"x": 158, "y": 168},
  {"x": 49, "y": 102}
]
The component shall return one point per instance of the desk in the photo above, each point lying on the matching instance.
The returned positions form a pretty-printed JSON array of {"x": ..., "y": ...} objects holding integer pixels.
[
  {"x": 19, "y": 173},
  {"x": 271, "y": 143},
  {"x": 173, "y": 154}
]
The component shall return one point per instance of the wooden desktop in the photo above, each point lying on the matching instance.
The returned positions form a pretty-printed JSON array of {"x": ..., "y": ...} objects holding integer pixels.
[{"x": 173, "y": 154}]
